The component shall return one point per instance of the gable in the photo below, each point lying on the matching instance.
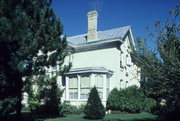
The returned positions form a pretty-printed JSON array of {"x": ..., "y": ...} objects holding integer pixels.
[{"x": 128, "y": 41}]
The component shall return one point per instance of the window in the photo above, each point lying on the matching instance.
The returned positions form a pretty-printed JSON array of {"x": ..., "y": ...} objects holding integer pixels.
[
  {"x": 99, "y": 85},
  {"x": 126, "y": 84},
  {"x": 121, "y": 66},
  {"x": 128, "y": 62},
  {"x": 121, "y": 58},
  {"x": 120, "y": 83},
  {"x": 85, "y": 87},
  {"x": 54, "y": 68},
  {"x": 73, "y": 88}
]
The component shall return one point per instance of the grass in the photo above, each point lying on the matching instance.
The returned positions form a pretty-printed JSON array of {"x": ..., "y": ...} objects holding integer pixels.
[{"x": 144, "y": 116}]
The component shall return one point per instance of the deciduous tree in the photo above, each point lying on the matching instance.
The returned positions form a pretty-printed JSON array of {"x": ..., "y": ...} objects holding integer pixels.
[{"x": 161, "y": 65}]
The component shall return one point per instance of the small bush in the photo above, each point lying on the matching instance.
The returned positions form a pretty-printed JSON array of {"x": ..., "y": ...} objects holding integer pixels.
[
  {"x": 94, "y": 109},
  {"x": 149, "y": 104},
  {"x": 67, "y": 108}
]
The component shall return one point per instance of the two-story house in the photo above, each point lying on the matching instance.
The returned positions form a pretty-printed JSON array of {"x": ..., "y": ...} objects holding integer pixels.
[{"x": 101, "y": 59}]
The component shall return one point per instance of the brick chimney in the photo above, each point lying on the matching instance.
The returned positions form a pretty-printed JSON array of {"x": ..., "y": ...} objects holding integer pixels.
[{"x": 92, "y": 25}]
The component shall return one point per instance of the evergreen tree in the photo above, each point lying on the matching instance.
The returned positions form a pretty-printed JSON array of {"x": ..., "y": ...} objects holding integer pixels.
[
  {"x": 161, "y": 66},
  {"x": 52, "y": 97},
  {"x": 94, "y": 108},
  {"x": 30, "y": 43}
]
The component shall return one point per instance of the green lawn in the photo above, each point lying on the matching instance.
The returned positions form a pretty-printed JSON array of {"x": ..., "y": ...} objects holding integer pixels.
[
  {"x": 144, "y": 116},
  {"x": 111, "y": 117}
]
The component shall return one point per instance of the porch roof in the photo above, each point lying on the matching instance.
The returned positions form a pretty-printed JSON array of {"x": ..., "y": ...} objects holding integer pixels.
[{"x": 89, "y": 70}]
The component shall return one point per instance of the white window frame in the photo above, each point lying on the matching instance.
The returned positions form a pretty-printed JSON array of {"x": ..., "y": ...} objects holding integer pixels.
[{"x": 73, "y": 95}]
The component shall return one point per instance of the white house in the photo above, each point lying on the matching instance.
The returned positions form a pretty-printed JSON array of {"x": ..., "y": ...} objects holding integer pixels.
[{"x": 101, "y": 59}]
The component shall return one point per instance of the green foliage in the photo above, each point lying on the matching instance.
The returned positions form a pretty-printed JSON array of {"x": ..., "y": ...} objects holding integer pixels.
[
  {"x": 94, "y": 108},
  {"x": 113, "y": 100},
  {"x": 46, "y": 99},
  {"x": 29, "y": 41},
  {"x": 51, "y": 98},
  {"x": 131, "y": 100},
  {"x": 67, "y": 108},
  {"x": 149, "y": 105},
  {"x": 161, "y": 65}
]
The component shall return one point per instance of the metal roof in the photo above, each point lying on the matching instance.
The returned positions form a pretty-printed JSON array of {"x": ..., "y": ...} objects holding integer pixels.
[
  {"x": 89, "y": 69},
  {"x": 102, "y": 35}
]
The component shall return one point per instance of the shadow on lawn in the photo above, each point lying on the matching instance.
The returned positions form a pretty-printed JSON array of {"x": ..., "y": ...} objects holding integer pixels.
[
  {"x": 27, "y": 116},
  {"x": 130, "y": 120}
]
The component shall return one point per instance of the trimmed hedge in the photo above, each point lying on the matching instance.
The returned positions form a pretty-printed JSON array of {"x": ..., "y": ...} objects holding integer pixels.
[{"x": 131, "y": 100}]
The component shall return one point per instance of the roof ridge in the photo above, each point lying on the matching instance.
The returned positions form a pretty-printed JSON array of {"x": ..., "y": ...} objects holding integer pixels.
[
  {"x": 77, "y": 35},
  {"x": 116, "y": 28},
  {"x": 101, "y": 31}
]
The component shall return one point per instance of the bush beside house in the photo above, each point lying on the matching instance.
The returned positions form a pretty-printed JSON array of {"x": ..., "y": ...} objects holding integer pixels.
[
  {"x": 131, "y": 100},
  {"x": 68, "y": 109}
]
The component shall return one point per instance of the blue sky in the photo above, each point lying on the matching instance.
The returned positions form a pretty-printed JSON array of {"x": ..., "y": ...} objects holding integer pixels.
[{"x": 112, "y": 14}]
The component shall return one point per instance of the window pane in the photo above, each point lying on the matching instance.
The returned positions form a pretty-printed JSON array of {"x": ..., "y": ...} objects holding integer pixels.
[
  {"x": 85, "y": 81},
  {"x": 85, "y": 87},
  {"x": 99, "y": 85},
  {"x": 73, "y": 83},
  {"x": 73, "y": 88},
  {"x": 99, "y": 81},
  {"x": 73, "y": 93},
  {"x": 85, "y": 93}
]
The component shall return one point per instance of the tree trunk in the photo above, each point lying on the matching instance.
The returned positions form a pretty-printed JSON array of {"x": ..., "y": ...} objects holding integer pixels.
[{"x": 19, "y": 96}]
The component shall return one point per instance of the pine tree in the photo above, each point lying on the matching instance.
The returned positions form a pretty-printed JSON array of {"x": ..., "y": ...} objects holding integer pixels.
[
  {"x": 94, "y": 108},
  {"x": 30, "y": 42},
  {"x": 52, "y": 98}
]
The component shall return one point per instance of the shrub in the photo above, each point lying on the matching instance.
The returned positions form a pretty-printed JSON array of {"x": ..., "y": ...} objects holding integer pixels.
[
  {"x": 149, "y": 104},
  {"x": 94, "y": 109},
  {"x": 112, "y": 102},
  {"x": 131, "y": 100},
  {"x": 128, "y": 100},
  {"x": 67, "y": 108}
]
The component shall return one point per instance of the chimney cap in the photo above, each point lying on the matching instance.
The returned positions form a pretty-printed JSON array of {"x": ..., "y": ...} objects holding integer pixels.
[{"x": 92, "y": 13}]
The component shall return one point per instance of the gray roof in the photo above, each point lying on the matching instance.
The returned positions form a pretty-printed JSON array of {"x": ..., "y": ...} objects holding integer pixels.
[
  {"x": 89, "y": 69},
  {"x": 102, "y": 35}
]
